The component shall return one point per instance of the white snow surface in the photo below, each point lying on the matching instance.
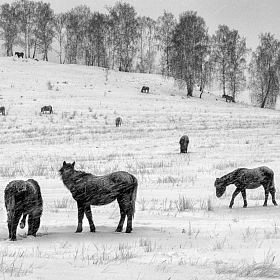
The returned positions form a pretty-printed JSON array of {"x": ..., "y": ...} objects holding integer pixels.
[{"x": 200, "y": 242}]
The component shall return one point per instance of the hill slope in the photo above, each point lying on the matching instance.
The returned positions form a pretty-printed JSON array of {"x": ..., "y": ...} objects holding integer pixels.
[{"x": 166, "y": 242}]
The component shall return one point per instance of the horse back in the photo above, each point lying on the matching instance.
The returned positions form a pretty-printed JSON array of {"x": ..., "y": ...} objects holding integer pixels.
[
  {"x": 255, "y": 177},
  {"x": 23, "y": 195}
]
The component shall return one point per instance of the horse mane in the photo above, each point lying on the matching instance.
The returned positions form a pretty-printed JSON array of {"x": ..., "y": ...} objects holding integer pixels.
[{"x": 230, "y": 178}]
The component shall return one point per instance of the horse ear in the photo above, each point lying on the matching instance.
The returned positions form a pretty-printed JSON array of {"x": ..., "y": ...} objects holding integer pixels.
[
  {"x": 73, "y": 164},
  {"x": 64, "y": 163}
]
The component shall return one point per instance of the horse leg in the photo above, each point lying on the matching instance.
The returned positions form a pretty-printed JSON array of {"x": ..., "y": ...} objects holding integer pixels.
[
  {"x": 272, "y": 191},
  {"x": 243, "y": 192},
  {"x": 30, "y": 224},
  {"x": 23, "y": 221},
  {"x": 89, "y": 217},
  {"x": 266, "y": 193},
  {"x": 81, "y": 212},
  {"x": 129, "y": 222},
  {"x": 34, "y": 220},
  {"x": 123, "y": 214},
  {"x": 235, "y": 193},
  {"x": 14, "y": 224}
]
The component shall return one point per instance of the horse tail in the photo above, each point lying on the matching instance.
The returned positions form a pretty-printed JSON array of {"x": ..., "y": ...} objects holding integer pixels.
[
  {"x": 134, "y": 194},
  {"x": 38, "y": 195},
  {"x": 10, "y": 201}
]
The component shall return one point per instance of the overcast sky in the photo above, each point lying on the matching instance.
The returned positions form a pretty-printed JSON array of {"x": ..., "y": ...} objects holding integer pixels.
[{"x": 249, "y": 17}]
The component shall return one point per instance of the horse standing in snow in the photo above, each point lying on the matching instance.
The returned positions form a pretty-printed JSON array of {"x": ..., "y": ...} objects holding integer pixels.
[
  {"x": 184, "y": 143},
  {"x": 23, "y": 198},
  {"x": 88, "y": 189},
  {"x": 2, "y": 110},
  {"x": 47, "y": 109},
  {"x": 244, "y": 178},
  {"x": 118, "y": 121}
]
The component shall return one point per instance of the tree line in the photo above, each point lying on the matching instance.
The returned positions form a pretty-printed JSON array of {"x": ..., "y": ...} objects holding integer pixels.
[{"x": 120, "y": 39}]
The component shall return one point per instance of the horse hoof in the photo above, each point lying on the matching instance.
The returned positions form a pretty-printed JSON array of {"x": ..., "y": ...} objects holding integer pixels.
[
  {"x": 230, "y": 206},
  {"x": 245, "y": 206},
  {"x": 78, "y": 231},
  {"x": 128, "y": 231},
  {"x": 118, "y": 230},
  {"x": 264, "y": 205}
]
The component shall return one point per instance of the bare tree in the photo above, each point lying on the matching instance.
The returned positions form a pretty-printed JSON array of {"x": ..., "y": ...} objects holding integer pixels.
[
  {"x": 187, "y": 49},
  {"x": 8, "y": 27},
  {"x": 44, "y": 32},
  {"x": 264, "y": 72},
  {"x": 25, "y": 11},
  {"x": 96, "y": 51},
  {"x": 76, "y": 29},
  {"x": 124, "y": 26},
  {"x": 60, "y": 34},
  {"x": 229, "y": 55},
  {"x": 147, "y": 44},
  {"x": 166, "y": 25}
]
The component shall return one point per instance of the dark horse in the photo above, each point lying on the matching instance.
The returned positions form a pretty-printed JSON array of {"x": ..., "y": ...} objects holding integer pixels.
[
  {"x": 47, "y": 109},
  {"x": 2, "y": 110},
  {"x": 184, "y": 143},
  {"x": 19, "y": 54},
  {"x": 118, "y": 121},
  {"x": 23, "y": 198},
  {"x": 145, "y": 89},
  {"x": 244, "y": 178},
  {"x": 88, "y": 189}
]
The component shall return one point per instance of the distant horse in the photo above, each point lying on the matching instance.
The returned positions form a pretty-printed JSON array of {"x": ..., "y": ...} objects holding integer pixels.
[
  {"x": 88, "y": 189},
  {"x": 145, "y": 89},
  {"x": 118, "y": 121},
  {"x": 244, "y": 178},
  {"x": 23, "y": 198},
  {"x": 47, "y": 109},
  {"x": 184, "y": 143},
  {"x": 19, "y": 54},
  {"x": 228, "y": 98},
  {"x": 2, "y": 110}
]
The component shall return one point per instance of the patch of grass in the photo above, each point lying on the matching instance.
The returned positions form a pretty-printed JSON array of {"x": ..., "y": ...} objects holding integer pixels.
[
  {"x": 184, "y": 203},
  {"x": 265, "y": 269}
]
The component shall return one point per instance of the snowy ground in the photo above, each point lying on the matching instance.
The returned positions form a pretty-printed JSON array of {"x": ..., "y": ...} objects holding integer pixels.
[{"x": 207, "y": 240}]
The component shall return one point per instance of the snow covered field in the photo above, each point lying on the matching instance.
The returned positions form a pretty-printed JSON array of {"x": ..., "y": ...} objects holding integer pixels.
[{"x": 180, "y": 230}]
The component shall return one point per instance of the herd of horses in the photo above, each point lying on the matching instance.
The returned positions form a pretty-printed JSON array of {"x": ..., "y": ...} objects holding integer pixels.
[{"x": 24, "y": 198}]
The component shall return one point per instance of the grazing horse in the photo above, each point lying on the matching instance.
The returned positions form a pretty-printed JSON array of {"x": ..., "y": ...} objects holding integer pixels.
[
  {"x": 47, "y": 109},
  {"x": 184, "y": 142},
  {"x": 88, "y": 189},
  {"x": 118, "y": 121},
  {"x": 19, "y": 54},
  {"x": 228, "y": 98},
  {"x": 244, "y": 178},
  {"x": 145, "y": 89},
  {"x": 23, "y": 198},
  {"x": 2, "y": 110}
]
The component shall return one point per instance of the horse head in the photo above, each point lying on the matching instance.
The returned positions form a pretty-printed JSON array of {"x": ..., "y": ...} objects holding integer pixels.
[{"x": 220, "y": 187}]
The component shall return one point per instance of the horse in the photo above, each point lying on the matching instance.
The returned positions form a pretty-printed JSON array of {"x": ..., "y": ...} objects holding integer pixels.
[
  {"x": 244, "y": 178},
  {"x": 184, "y": 143},
  {"x": 23, "y": 198},
  {"x": 228, "y": 98},
  {"x": 88, "y": 189},
  {"x": 2, "y": 110},
  {"x": 145, "y": 89},
  {"x": 47, "y": 109},
  {"x": 118, "y": 121},
  {"x": 19, "y": 54}
]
